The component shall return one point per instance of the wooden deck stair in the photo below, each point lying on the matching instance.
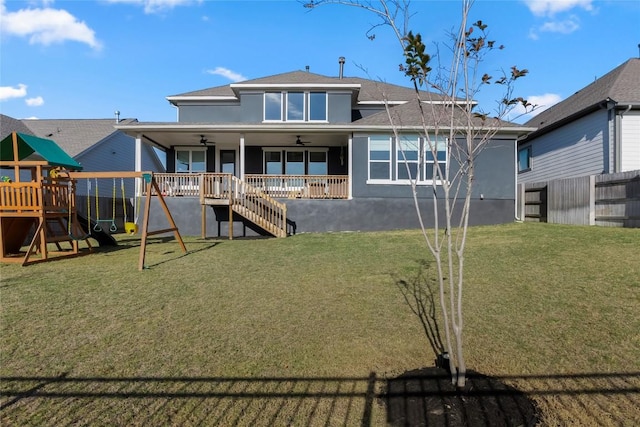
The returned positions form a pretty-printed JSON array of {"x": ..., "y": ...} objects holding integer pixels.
[{"x": 247, "y": 201}]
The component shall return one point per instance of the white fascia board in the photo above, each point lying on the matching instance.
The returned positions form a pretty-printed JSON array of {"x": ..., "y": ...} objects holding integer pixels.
[
  {"x": 296, "y": 86},
  {"x": 174, "y": 99}
]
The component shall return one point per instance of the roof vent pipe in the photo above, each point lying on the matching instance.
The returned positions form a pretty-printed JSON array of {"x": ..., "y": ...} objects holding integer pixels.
[
  {"x": 341, "y": 62},
  {"x": 306, "y": 68},
  {"x": 117, "y": 113}
]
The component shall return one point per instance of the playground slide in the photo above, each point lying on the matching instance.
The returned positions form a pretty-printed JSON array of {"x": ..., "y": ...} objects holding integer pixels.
[{"x": 103, "y": 238}]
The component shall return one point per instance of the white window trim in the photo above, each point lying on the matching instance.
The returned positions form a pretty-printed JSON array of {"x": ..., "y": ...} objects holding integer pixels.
[
  {"x": 190, "y": 150},
  {"x": 284, "y": 107},
  {"x": 369, "y": 161},
  {"x": 394, "y": 160},
  {"x": 304, "y": 106}
]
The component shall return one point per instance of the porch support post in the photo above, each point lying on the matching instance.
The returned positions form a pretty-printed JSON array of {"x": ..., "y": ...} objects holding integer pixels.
[
  {"x": 241, "y": 165},
  {"x": 350, "y": 167},
  {"x": 138, "y": 168}
]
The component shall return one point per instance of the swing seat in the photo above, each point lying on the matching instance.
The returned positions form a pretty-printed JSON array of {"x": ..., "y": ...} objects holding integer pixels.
[{"x": 131, "y": 227}]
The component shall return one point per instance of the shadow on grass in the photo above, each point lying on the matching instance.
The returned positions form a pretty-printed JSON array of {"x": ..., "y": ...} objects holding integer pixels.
[
  {"x": 419, "y": 293},
  {"x": 419, "y": 397}
]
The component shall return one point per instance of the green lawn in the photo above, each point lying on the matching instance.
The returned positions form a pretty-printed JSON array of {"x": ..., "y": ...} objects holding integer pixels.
[{"x": 290, "y": 331}]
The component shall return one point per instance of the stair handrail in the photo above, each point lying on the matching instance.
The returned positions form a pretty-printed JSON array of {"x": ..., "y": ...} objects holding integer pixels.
[{"x": 276, "y": 212}]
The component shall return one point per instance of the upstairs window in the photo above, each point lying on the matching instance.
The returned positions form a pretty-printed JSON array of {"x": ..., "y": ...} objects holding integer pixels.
[
  {"x": 317, "y": 106},
  {"x": 273, "y": 106},
  {"x": 295, "y": 106}
]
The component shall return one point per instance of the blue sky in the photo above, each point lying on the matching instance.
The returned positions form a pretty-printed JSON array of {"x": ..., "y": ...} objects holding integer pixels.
[{"x": 87, "y": 59}]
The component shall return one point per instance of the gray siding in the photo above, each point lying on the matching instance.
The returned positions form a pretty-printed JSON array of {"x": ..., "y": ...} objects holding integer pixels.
[
  {"x": 250, "y": 110},
  {"x": 576, "y": 149},
  {"x": 630, "y": 141},
  {"x": 115, "y": 153},
  {"x": 339, "y": 105},
  {"x": 495, "y": 174},
  {"x": 210, "y": 113}
]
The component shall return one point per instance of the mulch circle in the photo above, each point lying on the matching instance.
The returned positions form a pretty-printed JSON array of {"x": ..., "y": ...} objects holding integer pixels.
[{"x": 426, "y": 397}]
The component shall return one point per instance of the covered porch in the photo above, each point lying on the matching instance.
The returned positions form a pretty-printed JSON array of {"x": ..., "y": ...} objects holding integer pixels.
[{"x": 297, "y": 163}]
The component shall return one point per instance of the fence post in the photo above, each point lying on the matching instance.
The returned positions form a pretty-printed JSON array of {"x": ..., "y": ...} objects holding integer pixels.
[{"x": 592, "y": 200}]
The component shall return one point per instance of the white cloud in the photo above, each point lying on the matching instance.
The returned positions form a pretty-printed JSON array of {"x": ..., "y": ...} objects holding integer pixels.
[
  {"x": 541, "y": 102},
  {"x": 551, "y": 7},
  {"x": 225, "y": 72},
  {"x": 34, "y": 102},
  {"x": 567, "y": 26},
  {"x": 155, "y": 6},
  {"x": 46, "y": 26},
  {"x": 9, "y": 92}
]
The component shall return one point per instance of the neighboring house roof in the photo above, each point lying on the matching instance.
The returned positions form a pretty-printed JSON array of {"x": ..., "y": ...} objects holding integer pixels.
[
  {"x": 621, "y": 86},
  {"x": 369, "y": 90},
  {"x": 9, "y": 125},
  {"x": 74, "y": 135}
]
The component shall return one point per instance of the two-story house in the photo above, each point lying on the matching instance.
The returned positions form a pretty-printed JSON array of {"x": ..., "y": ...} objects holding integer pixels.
[{"x": 322, "y": 147}]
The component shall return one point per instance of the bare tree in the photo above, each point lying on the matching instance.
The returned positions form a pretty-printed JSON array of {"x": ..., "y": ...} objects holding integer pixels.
[{"x": 454, "y": 131}]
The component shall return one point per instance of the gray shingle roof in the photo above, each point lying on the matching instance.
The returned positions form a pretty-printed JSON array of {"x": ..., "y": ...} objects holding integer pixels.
[
  {"x": 621, "y": 85},
  {"x": 74, "y": 135},
  {"x": 408, "y": 114},
  {"x": 9, "y": 124},
  {"x": 371, "y": 90}
]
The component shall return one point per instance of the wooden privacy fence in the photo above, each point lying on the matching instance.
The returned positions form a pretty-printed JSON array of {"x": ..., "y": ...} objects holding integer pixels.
[{"x": 611, "y": 200}]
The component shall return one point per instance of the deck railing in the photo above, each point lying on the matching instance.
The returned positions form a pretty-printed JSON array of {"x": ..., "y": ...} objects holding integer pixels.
[
  {"x": 302, "y": 186},
  {"x": 259, "y": 207},
  {"x": 216, "y": 185}
]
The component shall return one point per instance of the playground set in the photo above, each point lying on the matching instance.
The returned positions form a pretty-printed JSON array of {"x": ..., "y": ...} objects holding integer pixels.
[{"x": 38, "y": 205}]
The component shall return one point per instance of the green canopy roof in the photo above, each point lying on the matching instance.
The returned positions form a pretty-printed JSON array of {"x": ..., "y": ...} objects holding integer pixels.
[{"x": 45, "y": 148}]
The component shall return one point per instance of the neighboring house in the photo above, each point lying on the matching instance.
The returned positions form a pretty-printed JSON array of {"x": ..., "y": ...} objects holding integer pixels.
[
  {"x": 94, "y": 143},
  {"x": 594, "y": 131},
  {"x": 322, "y": 146}
]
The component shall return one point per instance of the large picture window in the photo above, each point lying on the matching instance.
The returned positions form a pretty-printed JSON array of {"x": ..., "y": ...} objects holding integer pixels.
[
  {"x": 295, "y": 106},
  {"x": 379, "y": 157},
  {"x": 191, "y": 161}
]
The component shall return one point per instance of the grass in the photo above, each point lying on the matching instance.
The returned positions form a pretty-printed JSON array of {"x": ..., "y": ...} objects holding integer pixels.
[{"x": 289, "y": 331}]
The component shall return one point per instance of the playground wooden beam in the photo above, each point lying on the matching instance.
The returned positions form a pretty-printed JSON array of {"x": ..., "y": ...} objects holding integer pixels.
[{"x": 109, "y": 174}]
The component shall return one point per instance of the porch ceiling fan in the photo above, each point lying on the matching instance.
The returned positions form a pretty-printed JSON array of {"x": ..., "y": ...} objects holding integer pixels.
[
  {"x": 203, "y": 140},
  {"x": 300, "y": 142}
]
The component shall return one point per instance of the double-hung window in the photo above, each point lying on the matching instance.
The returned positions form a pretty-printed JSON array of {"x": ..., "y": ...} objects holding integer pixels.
[
  {"x": 317, "y": 162},
  {"x": 380, "y": 157},
  {"x": 407, "y": 158},
  {"x": 191, "y": 161},
  {"x": 435, "y": 150}
]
